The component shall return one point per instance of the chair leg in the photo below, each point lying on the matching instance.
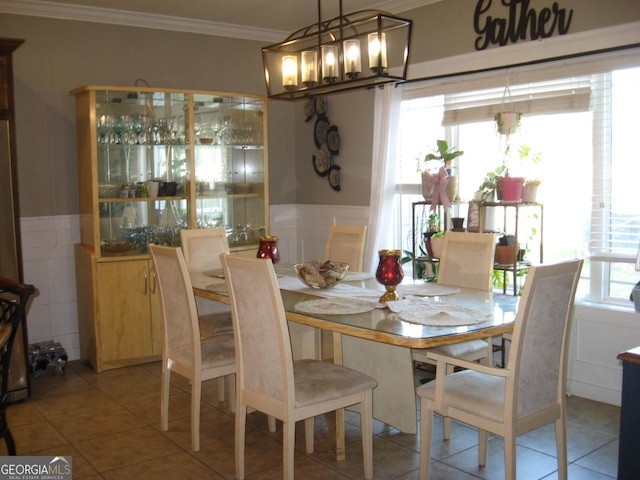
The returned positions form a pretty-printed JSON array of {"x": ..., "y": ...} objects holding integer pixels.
[
  {"x": 366, "y": 426},
  {"x": 220, "y": 382},
  {"x": 426, "y": 431},
  {"x": 482, "y": 447},
  {"x": 164, "y": 397},
  {"x": 289, "y": 440},
  {"x": 196, "y": 392},
  {"x": 509, "y": 456},
  {"x": 271, "y": 421},
  {"x": 241, "y": 420},
  {"x": 309, "y": 425},
  {"x": 11, "y": 445},
  {"x": 231, "y": 387},
  {"x": 561, "y": 447}
]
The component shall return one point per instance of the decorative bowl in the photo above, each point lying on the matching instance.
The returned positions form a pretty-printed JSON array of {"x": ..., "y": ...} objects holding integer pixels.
[
  {"x": 117, "y": 246},
  {"x": 108, "y": 190},
  {"x": 321, "y": 275}
]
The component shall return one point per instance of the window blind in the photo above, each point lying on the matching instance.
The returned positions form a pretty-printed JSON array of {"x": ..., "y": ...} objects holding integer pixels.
[{"x": 578, "y": 84}]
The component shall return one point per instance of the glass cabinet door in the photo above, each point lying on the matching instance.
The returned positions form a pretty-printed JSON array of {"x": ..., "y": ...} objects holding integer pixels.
[
  {"x": 142, "y": 168},
  {"x": 229, "y": 166}
]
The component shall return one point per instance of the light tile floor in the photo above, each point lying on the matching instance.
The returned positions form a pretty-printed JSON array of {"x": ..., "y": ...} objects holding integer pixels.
[{"x": 110, "y": 424}]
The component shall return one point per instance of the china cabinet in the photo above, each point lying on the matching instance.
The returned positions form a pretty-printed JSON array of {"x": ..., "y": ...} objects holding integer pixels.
[{"x": 151, "y": 162}]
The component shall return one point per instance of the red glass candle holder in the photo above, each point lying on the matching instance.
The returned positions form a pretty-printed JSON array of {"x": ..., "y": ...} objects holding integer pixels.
[
  {"x": 268, "y": 248},
  {"x": 389, "y": 273}
]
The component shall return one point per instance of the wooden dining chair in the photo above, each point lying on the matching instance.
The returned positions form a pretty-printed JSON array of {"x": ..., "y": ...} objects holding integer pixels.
[
  {"x": 466, "y": 261},
  {"x": 184, "y": 351},
  {"x": 526, "y": 394},
  {"x": 13, "y": 302},
  {"x": 202, "y": 248},
  {"x": 346, "y": 244},
  {"x": 267, "y": 377}
]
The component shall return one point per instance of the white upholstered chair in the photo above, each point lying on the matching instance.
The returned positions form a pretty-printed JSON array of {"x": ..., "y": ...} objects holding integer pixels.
[
  {"x": 184, "y": 351},
  {"x": 346, "y": 244},
  {"x": 267, "y": 377},
  {"x": 202, "y": 249},
  {"x": 466, "y": 261},
  {"x": 525, "y": 395}
]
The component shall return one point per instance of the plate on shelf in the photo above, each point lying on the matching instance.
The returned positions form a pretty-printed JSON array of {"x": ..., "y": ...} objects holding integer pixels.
[
  {"x": 320, "y": 130},
  {"x": 334, "y": 177},
  {"x": 309, "y": 109},
  {"x": 321, "y": 105},
  {"x": 321, "y": 162},
  {"x": 333, "y": 140}
]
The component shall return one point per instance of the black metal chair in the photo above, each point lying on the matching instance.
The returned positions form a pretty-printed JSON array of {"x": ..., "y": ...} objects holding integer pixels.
[{"x": 13, "y": 301}]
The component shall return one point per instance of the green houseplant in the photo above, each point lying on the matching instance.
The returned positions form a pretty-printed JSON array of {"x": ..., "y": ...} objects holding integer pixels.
[{"x": 446, "y": 155}]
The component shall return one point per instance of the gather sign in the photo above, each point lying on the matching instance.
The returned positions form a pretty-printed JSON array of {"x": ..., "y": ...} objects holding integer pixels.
[{"x": 519, "y": 22}]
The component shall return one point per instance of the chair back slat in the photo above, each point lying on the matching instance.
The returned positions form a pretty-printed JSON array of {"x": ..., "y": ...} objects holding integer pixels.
[
  {"x": 346, "y": 244},
  {"x": 467, "y": 260},
  {"x": 263, "y": 347},
  {"x": 202, "y": 248},
  {"x": 179, "y": 314},
  {"x": 540, "y": 337}
]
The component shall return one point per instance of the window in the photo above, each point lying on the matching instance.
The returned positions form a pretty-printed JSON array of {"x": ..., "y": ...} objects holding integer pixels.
[{"x": 581, "y": 118}]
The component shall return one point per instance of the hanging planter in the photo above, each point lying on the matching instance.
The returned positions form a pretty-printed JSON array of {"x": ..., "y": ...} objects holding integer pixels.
[
  {"x": 507, "y": 122},
  {"x": 508, "y": 118}
]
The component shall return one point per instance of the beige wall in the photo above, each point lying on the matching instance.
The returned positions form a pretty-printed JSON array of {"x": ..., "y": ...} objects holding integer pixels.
[{"x": 58, "y": 56}]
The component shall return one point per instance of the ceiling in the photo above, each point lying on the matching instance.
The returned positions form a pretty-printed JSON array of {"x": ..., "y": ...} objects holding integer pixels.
[{"x": 270, "y": 20}]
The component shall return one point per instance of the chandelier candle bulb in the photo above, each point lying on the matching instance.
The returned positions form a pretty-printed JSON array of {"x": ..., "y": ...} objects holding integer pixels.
[
  {"x": 352, "y": 60},
  {"x": 289, "y": 71},
  {"x": 309, "y": 68},
  {"x": 377, "y": 52},
  {"x": 330, "y": 63}
]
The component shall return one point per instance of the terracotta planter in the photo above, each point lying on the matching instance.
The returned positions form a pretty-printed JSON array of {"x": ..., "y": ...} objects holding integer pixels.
[
  {"x": 511, "y": 188},
  {"x": 506, "y": 254}
]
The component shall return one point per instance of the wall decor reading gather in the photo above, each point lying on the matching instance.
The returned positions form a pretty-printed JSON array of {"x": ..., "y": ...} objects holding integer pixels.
[{"x": 519, "y": 21}]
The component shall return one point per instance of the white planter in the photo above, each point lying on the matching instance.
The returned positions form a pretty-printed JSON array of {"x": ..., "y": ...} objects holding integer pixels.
[
  {"x": 436, "y": 246},
  {"x": 508, "y": 123},
  {"x": 529, "y": 192}
]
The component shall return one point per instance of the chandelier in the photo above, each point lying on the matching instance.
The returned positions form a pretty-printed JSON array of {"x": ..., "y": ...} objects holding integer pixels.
[{"x": 357, "y": 50}]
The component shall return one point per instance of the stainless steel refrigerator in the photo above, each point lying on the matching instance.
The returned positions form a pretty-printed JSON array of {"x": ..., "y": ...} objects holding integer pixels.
[{"x": 10, "y": 249}]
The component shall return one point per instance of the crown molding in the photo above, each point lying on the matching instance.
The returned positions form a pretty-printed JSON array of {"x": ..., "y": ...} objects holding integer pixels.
[
  {"x": 62, "y": 11},
  {"x": 82, "y": 13}
]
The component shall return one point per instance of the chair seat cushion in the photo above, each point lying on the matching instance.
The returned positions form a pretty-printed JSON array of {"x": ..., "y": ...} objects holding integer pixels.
[
  {"x": 471, "y": 392},
  {"x": 318, "y": 381},
  {"x": 218, "y": 351},
  {"x": 462, "y": 349},
  {"x": 215, "y": 323},
  {"x": 471, "y": 350}
]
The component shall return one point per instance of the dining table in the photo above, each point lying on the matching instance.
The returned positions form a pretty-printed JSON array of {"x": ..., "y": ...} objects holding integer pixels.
[{"x": 376, "y": 338}]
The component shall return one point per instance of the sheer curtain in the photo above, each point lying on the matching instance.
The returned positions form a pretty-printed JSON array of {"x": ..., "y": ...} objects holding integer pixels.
[{"x": 381, "y": 233}]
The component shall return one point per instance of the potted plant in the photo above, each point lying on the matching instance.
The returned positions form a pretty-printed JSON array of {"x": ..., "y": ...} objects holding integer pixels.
[
  {"x": 506, "y": 250},
  {"x": 444, "y": 154},
  {"x": 507, "y": 122},
  {"x": 488, "y": 189},
  {"x": 433, "y": 227},
  {"x": 437, "y": 243},
  {"x": 530, "y": 162}
]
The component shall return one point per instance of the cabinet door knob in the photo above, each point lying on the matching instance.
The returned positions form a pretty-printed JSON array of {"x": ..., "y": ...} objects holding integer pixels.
[{"x": 146, "y": 281}]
